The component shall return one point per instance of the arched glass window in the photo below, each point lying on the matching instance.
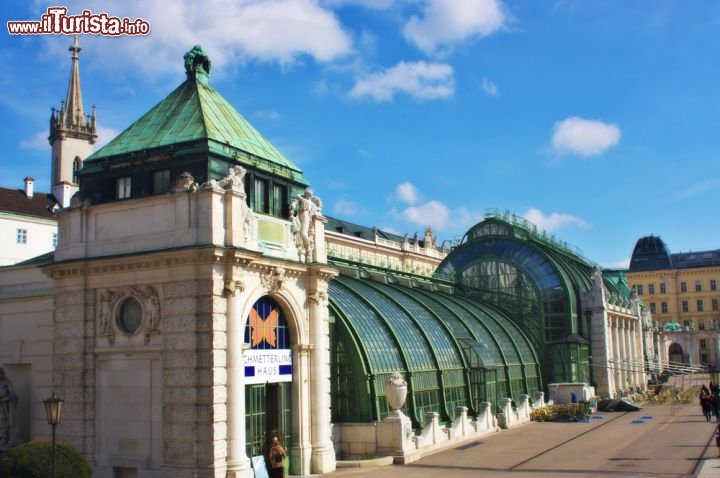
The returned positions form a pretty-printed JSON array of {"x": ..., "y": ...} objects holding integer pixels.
[
  {"x": 266, "y": 327},
  {"x": 77, "y": 164}
]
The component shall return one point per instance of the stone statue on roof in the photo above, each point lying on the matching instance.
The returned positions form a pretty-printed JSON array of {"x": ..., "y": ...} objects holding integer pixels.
[
  {"x": 235, "y": 180},
  {"x": 303, "y": 210}
]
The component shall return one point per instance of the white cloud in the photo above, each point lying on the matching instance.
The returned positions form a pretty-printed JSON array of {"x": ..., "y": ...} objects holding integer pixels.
[
  {"x": 432, "y": 213},
  {"x": 584, "y": 137},
  {"x": 105, "y": 135},
  {"x": 698, "y": 188},
  {"x": 554, "y": 221},
  {"x": 282, "y": 31},
  {"x": 268, "y": 114},
  {"x": 370, "y": 4},
  {"x": 407, "y": 193},
  {"x": 447, "y": 22},
  {"x": 347, "y": 208},
  {"x": 490, "y": 88},
  {"x": 38, "y": 142},
  {"x": 418, "y": 79},
  {"x": 623, "y": 264}
]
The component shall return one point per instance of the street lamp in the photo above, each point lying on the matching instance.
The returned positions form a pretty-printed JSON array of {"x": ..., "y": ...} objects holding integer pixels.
[{"x": 53, "y": 409}]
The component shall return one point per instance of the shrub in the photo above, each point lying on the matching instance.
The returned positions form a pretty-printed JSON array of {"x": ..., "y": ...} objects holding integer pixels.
[{"x": 34, "y": 460}]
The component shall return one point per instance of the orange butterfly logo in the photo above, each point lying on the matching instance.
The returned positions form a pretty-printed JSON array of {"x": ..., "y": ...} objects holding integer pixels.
[{"x": 263, "y": 329}]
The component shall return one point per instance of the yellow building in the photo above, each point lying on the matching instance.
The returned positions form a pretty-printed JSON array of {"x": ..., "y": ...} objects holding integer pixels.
[{"x": 682, "y": 293}]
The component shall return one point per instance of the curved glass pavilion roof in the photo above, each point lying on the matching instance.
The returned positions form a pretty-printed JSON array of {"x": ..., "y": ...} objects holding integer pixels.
[
  {"x": 536, "y": 281},
  {"x": 439, "y": 341},
  {"x": 504, "y": 261},
  {"x": 502, "y": 316}
]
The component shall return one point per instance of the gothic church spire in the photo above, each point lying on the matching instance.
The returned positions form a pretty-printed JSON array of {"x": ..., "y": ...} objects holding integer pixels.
[{"x": 72, "y": 134}]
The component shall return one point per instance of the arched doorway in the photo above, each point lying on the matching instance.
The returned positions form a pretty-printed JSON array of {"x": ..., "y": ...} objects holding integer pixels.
[
  {"x": 268, "y": 377},
  {"x": 675, "y": 353}
]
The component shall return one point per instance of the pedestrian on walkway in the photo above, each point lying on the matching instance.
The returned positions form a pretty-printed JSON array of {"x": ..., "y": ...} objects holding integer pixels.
[
  {"x": 707, "y": 405},
  {"x": 277, "y": 459}
]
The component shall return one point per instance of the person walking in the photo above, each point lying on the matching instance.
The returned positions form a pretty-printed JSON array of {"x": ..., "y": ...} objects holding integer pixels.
[
  {"x": 277, "y": 459},
  {"x": 706, "y": 404}
]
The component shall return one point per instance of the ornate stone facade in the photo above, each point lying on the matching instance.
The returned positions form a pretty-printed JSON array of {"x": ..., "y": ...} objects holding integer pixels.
[{"x": 154, "y": 335}]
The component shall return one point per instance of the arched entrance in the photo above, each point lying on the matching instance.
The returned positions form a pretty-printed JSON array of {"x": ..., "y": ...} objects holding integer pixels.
[
  {"x": 675, "y": 353},
  {"x": 268, "y": 377}
]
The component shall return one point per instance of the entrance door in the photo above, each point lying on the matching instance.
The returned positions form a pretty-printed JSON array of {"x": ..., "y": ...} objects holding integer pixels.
[
  {"x": 268, "y": 377},
  {"x": 267, "y": 408},
  {"x": 676, "y": 353}
]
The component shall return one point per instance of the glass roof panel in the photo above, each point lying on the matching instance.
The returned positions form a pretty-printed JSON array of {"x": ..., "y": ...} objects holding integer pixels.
[
  {"x": 371, "y": 329},
  {"x": 414, "y": 345},
  {"x": 445, "y": 348}
]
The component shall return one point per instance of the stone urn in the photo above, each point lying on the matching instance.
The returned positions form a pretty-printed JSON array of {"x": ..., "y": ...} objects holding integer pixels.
[{"x": 396, "y": 392}]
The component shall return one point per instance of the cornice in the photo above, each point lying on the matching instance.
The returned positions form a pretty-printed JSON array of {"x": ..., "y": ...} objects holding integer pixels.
[{"x": 148, "y": 260}]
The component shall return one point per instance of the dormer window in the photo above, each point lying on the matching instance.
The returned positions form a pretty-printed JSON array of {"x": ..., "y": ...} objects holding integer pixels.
[
  {"x": 122, "y": 187},
  {"x": 161, "y": 181}
]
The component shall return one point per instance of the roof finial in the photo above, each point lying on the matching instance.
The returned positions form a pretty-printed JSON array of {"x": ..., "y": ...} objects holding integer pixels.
[
  {"x": 75, "y": 48},
  {"x": 197, "y": 64}
]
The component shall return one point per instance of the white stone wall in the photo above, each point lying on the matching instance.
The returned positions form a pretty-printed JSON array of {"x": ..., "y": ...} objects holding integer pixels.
[
  {"x": 39, "y": 237},
  {"x": 26, "y": 311}
]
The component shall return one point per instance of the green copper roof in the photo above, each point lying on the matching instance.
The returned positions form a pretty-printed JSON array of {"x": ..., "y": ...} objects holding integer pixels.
[{"x": 195, "y": 112}]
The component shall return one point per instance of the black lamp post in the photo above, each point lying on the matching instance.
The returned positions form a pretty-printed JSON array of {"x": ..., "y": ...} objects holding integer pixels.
[{"x": 53, "y": 409}]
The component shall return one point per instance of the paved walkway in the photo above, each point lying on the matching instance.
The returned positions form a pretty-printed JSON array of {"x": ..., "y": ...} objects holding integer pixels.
[{"x": 659, "y": 441}]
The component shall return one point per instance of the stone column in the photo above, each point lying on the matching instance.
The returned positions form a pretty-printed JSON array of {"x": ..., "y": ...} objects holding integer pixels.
[
  {"x": 625, "y": 353},
  {"x": 300, "y": 453},
  {"x": 238, "y": 461},
  {"x": 323, "y": 451},
  {"x": 615, "y": 356},
  {"x": 637, "y": 361},
  {"x": 629, "y": 355}
]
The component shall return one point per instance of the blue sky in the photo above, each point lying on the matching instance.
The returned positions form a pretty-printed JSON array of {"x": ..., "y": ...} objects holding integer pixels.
[{"x": 597, "y": 121}]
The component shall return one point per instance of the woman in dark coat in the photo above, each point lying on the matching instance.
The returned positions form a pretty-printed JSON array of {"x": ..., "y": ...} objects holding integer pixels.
[{"x": 277, "y": 459}]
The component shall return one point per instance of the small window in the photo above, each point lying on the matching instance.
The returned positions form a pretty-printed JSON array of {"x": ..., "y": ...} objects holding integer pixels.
[
  {"x": 21, "y": 236},
  {"x": 54, "y": 239},
  {"x": 683, "y": 287},
  {"x": 161, "y": 181},
  {"x": 663, "y": 288},
  {"x": 652, "y": 307},
  {"x": 685, "y": 306},
  {"x": 651, "y": 288},
  {"x": 129, "y": 316},
  {"x": 122, "y": 187},
  {"x": 278, "y": 200},
  {"x": 260, "y": 194},
  {"x": 715, "y": 305},
  {"x": 664, "y": 307},
  {"x": 703, "y": 343},
  {"x": 699, "y": 305},
  {"x": 639, "y": 289},
  {"x": 713, "y": 284},
  {"x": 698, "y": 286}
]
